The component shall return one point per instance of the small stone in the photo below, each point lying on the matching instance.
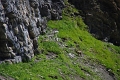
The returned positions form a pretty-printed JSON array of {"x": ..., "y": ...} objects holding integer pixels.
[
  {"x": 18, "y": 59},
  {"x": 71, "y": 55}
]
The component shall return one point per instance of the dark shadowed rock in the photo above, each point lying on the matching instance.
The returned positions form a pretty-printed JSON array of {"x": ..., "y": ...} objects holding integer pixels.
[
  {"x": 102, "y": 17},
  {"x": 21, "y": 22}
]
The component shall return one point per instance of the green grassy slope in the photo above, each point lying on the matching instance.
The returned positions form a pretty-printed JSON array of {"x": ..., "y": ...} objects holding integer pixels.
[{"x": 54, "y": 62}]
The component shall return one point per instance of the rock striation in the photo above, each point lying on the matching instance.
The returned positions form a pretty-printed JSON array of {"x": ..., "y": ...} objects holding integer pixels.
[
  {"x": 21, "y": 23},
  {"x": 102, "y": 17}
]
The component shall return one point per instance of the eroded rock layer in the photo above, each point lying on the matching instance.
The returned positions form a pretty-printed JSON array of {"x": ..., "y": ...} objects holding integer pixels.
[
  {"x": 21, "y": 22},
  {"x": 102, "y": 17}
]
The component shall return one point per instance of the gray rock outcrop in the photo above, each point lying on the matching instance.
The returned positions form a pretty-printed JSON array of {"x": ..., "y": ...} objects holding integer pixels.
[{"x": 21, "y": 23}]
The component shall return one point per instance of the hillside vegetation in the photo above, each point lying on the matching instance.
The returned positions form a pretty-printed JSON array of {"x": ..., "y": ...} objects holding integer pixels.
[{"x": 68, "y": 52}]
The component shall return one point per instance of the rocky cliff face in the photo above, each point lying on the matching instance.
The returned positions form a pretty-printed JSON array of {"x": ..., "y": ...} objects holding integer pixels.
[
  {"x": 102, "y": 17},
  {"x": 21, "y": 22}
]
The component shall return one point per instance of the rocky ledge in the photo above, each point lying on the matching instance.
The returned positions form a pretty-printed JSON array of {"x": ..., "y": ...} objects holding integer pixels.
[
  {"x": 102, "y": 17},
  {"x": 21, "y": 23}
]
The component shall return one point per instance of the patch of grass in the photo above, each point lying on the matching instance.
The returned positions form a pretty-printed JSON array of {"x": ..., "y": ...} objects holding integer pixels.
[
  {"x": 60, "y": 68},
  {"x": 50, "y": 46},
  {"x": 45, "y": 69}
]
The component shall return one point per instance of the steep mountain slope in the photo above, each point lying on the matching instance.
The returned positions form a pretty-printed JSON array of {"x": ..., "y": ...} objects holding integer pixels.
[{"x": 68, "y": 52}]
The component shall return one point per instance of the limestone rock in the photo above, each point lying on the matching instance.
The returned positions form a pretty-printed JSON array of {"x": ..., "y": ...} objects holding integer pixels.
[{"x": 21, "y": 22}]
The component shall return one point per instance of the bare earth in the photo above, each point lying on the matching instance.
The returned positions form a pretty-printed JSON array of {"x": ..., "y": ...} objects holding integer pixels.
[{"x": 5, "y": 78}]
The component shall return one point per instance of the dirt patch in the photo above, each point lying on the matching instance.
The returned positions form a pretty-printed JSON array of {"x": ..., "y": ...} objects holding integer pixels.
[
  {"x": 51, "y": 55},
  {"x": 105, "y": 75},
  {"x": 100, "y": 70},
  {"x": 5, "y": 78}
]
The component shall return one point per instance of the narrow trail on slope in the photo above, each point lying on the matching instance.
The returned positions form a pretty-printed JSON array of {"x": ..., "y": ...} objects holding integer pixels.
[{"x": 98, "y": 69}]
